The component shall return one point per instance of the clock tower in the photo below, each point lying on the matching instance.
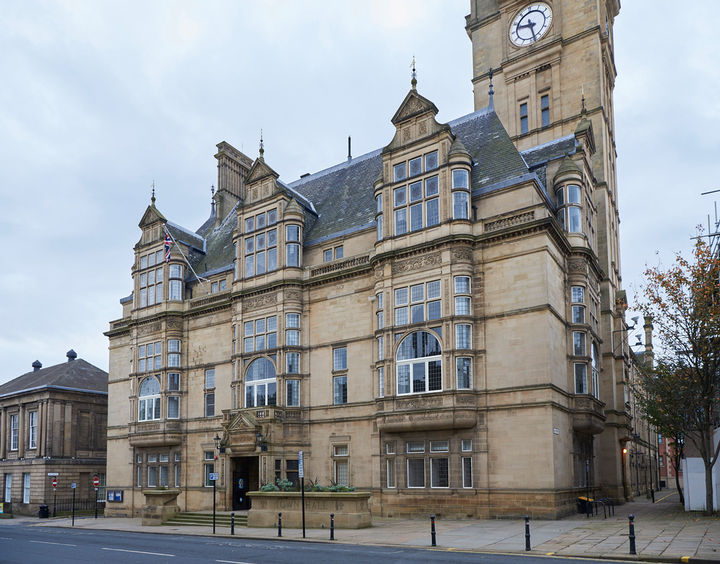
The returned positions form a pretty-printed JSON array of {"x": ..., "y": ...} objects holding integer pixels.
[{"x": 553, "y": 73}]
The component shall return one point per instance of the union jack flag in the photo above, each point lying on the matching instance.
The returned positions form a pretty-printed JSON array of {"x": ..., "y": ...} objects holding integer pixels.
[{"x": 168, "y": 244}]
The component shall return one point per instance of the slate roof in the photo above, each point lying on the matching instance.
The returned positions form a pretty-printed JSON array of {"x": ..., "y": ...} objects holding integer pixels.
[
  {"x": 74, "y": 375},
  {"x": 342, "y": 196}
]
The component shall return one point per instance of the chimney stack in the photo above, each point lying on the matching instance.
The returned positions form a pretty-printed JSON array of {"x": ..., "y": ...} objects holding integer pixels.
[{"x": 71, "y": 355}]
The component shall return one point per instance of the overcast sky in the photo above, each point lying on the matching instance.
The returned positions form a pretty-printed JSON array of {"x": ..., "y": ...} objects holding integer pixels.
[{"x": 98, "y": 99}]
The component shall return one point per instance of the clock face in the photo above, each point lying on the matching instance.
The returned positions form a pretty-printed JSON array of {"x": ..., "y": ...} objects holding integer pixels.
[{"x": 531, "y": 23}]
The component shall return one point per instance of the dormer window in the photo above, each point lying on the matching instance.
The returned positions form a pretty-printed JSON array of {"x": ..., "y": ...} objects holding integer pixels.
[{"x": 416, "y": 205}]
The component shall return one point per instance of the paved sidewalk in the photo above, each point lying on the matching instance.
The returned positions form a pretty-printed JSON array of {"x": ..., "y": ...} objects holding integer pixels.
[{"x": 664, "y": 532}]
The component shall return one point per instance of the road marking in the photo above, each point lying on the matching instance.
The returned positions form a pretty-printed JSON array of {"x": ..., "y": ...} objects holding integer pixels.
[
  {"x": 138, "y": 552},
  {"x": 668, "y": 495},
  {"x": 59, "y": 543},
  {"x": 233, "y": 562},
  {"x": 5, "y": 538},
  {"x": 685, "y": 559}
]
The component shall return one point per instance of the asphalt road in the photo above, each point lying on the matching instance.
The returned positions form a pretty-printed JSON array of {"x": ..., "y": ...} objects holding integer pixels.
[{"x": 22, "y": 544}]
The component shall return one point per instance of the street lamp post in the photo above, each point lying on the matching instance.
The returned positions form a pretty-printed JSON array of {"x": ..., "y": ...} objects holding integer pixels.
[{"x": 217, "y": 448}]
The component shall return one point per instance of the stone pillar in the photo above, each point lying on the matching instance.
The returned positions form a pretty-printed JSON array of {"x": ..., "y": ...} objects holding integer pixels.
[
  {"x": 3, "y": 433},
  {"x": 22, "y": 425}
]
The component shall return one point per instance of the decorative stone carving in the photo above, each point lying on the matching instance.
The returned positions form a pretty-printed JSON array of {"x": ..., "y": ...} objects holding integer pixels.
[
  {"x": 174, "y": 323},
  {"x": 256, "y": 302},
  {"x": 150, "y": 328},
  {"x": 509, "y": 221},
  {"x": 423, "y": 127},
  {"x": 293, "y": 295},
  {"x": 576, "y": 265},
  {"x": 462, "y": 254},
  {"x": 416, "y": 263}
]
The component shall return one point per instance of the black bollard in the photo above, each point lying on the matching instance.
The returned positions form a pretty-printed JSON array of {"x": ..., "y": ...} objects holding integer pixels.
[
  {"x": 279, "y": 524},
  {"x": 632, "y": 534},
  {"x": 527, "y": 532},
  {"x": 652, "y": 495},
  {"x": 332, "y": 526},
  {"x": 432, "y": 531},
  {"x": 232, "y": 523}
]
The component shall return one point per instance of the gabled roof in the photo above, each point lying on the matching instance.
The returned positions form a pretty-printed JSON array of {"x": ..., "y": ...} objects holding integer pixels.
[
  {"x": 342, "y": 197},
  {"x": 77, "y": 375}
]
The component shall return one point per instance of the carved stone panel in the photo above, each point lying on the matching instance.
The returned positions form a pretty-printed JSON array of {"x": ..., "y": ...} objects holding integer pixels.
[{"x": 416, "y": 263}]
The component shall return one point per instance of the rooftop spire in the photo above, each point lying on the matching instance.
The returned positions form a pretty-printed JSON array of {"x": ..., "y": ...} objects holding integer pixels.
[
  {"x": 583, "y": 111},
  {"x": 262, "y": 148},
  {"x": 491, "y": 92},
  {"x": 212, "y": 199},
  {"x": 152, "y": 196},
  {"x": 413, "y": 81}
]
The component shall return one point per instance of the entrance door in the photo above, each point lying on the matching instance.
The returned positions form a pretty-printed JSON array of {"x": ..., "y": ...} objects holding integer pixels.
[{"x": 245, "y": 479}]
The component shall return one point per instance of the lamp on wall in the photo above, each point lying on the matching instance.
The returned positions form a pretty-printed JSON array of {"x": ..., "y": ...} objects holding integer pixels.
[{"x": 260, "y": 440}]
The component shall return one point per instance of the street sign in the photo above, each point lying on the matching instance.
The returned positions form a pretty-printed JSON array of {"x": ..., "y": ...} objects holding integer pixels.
[
  {"x": 53, "y": 474},
  {"x": 96, "y": 481},
  {"x": 72, "y": 485},
  {"x": 213, "y": 476},
  {"x": 54, "y": 482},
  {"x": 301, "y": 469}
]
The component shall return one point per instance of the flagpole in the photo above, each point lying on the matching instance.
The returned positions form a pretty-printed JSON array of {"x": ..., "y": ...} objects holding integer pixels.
[{"x": 167, "y": 257}]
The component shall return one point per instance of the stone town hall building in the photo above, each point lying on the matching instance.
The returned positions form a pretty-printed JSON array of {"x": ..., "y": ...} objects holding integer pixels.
[{"x": 439, "y": 321}]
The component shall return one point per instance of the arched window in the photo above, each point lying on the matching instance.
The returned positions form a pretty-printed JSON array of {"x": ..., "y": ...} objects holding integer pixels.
[
  {"x": 419, "y": 365},
  {"x": 149, "y": 402},
  {"x": 260, "y": 383}
]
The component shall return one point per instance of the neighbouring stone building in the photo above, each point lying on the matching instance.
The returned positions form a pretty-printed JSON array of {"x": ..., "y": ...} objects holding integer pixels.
[
  {"x": 439, "y": 321},
  {"x": 52, "y": 420}
]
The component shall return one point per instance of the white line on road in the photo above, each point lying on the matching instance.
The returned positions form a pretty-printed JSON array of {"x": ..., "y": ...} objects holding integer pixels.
[
  {"x": 5, "y": 538},
  {"x": 233, "y": 562},
  {"x": 138, "y": 552},
  {"x": 59, "y": 543}
]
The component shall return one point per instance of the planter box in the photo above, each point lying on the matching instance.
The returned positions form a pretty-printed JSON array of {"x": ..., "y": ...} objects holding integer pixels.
[
  {"x": 350, "y": 508},
  {"x": 160, "y": 505}
]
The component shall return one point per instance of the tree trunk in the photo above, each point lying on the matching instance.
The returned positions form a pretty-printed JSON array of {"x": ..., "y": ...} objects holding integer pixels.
[
  {"x": 676, "y": 462},
  {"x": 709, "y": 509}
]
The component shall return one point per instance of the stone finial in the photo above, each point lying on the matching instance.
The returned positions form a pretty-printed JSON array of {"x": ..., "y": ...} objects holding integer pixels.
[
  {"x": 262, "y": 147},
  {"x": 413, "y": 80},
  {"x": 152, "y": 193}
]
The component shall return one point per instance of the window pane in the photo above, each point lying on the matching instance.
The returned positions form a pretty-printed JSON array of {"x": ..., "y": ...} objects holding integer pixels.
[
  {"x": 400, "y": 196},
  {"x": 461, "y": 205},
  {"x": 292, "y": 233},
  {"x": 293, "y": 254},
  {"x": 432, "y": 212},
  {"x": 459, "y": 179},
  {"x": 439, "y": 473},
  {"x": 417, "y": 313},
  {"x": 431, "y": 186},
  {"x": 260, "y": 220},
  {"x": 434, "y": 310},
  {"x": 581, "y": 379},
  {"x": 341, "y": 472},
  {"x": 401, "y": 315},
  {"x": 578, "y": 294},
  {"x": 390, "y": 472},
  {"x": 574, "y": 219},
  {"x": 293, "y": 363},
  {"x": 260, "y": 263},
  {"x": 578, "y": 343},
  {"x": 173, "y": 381},
  {"x": 210, "y": 378},
  {"x": 209, "y": 405},
  {"x": 327, "y": 255},
  {"x": 417, "y": 293},
  {"x": 250, "y": 265},
  {"x": 379, "y": 228},
  {"x": 462, "y": 284},
  {"x": 272, "y": 259},
  {"x": 401, "y": 296},
  {"x": 573, "y": 192},
  {"x": 403, "y": 379},
  {"x": 378, "y": 203},
  {"x": 293, "y": 393},
  {"x": 173, "y": 407},
  {"x": 433, "y": 289},
  {"x": 340, "y": 358},
  {"x": 434, "y": 376},
  {"x": 292, "y": 337},
  {"x": 418, "y": 375},
  {"x": 578, "y": 314},
  {"x": 400, "y": 221},
  {"x": 272, "y": 217},
  {"x": 340, "y": 390},
  {"x": 464, "y": 365},
  {"x": 399, "y": 172},
  {"x": 462, "y": 336},
  {"x": 416, "y": 472},
  {"x": 467, "y": 472},
  {"x": 416, "y": 192},
  {"x": 249, "y": 224},
  {"x": 415, "y": 166},
  {"x": 462, "y": 305},
  {"x": 431, "y": 161}
]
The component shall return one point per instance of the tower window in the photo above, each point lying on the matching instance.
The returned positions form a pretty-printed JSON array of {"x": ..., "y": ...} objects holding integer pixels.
[
  {"x": 545, "y": 110},
  {"x": 523, "y": 118}
]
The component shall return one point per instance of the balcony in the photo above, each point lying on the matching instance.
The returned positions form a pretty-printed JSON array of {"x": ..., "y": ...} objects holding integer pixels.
[
  {"x": 449, "y": 410},
  {"x": 588, "y": 414}
]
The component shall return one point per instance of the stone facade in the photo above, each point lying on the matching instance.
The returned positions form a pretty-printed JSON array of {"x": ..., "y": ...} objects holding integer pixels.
[
  {"x": 438, "y": 322},
  {"x": 53, "y": 420}
]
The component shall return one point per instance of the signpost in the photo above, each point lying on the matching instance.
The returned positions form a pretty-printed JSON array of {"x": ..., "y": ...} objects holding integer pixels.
[
  {"x": 96, "y": 483},
  {"x": 301, "y": 473},
  {"x": 54, "y": 485},
  {"x": 73, "y": 503},
  {"x": 213, "y": 478}
]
